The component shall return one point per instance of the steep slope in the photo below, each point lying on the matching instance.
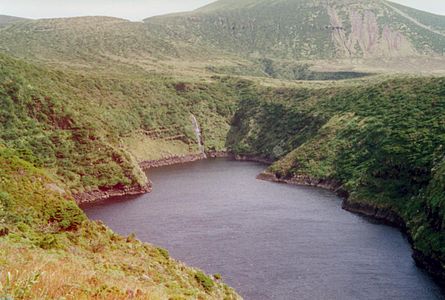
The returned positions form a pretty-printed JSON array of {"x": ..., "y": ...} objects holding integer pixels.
[
  {"x": 316, "y": 29},
  {"x": 49, "y": 250},
  {"x": 428, "y": 20},
  {"x": 93, "y": 130},
  {"x": 381, "y": 145}
]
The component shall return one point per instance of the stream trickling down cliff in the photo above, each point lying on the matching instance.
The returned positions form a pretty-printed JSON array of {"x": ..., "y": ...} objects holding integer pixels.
[
  {"x": 198, "y": 134},
  {"x": 268, "y": 240}
]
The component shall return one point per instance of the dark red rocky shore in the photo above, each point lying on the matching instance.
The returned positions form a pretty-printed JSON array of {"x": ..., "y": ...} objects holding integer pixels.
[{"x": 98, "y": 195}]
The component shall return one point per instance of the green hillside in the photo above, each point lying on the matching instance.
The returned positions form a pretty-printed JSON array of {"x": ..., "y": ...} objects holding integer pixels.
[
  {"x": 67, "y": 133},
  {"x": 242, "y": 38},
  {"x": 79, "y": 126},
  {"x": 105, "y": 44},
  {"x": 49, "y": 250},
  {"x": 82, "y": 40},
  {"x": 297, "y": 29},
  {"x": 381, "y": 144},
  {"x": 435, "y": 22}
]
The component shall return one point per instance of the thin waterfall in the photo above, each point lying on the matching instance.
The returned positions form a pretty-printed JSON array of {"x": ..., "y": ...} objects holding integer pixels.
[{"x": 197, "y": 130}]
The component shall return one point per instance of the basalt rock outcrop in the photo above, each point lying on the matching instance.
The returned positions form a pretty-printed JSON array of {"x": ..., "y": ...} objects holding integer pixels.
[{"x": 98, "y": 195}]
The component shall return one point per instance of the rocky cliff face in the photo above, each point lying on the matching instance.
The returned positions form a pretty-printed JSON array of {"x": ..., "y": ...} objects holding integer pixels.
[
  {"x": 98, "y": 195},
  {"x": 366, "y": 37}
]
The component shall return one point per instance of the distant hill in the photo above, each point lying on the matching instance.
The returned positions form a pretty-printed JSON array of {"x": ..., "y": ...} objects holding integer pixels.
[
  {"x": 433, "y": 21},
  {"x": 315, "y": 29},
  {"x": 5, "y": 20},
  {"x": 99, "y": 41},
  {"x": 284, "y": 39}
]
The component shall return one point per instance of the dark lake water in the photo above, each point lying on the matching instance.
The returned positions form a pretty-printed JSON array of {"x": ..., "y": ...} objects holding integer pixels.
[{"x": 268, "y": 240}]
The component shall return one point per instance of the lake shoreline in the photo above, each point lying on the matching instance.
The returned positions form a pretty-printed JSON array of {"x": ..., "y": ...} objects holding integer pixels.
[
  {"x": 383, "y": 215},
  {"x": 105, "y": 194},
  {"x": 100, "y": 195},
  {"x": 171, "y": 160},
  {"x": 209, "y": 212}
]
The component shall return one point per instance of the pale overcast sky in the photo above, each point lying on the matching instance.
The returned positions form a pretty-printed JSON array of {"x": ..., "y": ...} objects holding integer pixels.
[{"x": 137, "y": 10}]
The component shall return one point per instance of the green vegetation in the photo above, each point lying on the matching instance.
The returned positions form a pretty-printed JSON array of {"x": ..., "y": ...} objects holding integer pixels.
[
  {"x": 305, "y": 29},
  {"x": 75, "y": 126},
  {"x": 84, "y": 100},
  {"x": 236, "y": 38},
  {"x": 50, "y": 250},
  {"x": 434, "y": 21},
  {"x": 64, "y": 133},
  {"x": 252, "y": 29},
  {"x": 206, "y": 282},
  {"x": 382, "y": 142},
  {"x": 101, "y": 44}
]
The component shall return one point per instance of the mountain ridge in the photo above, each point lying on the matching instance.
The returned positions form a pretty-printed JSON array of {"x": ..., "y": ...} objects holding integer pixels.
[
  {"x": 252, "y": 38},
  {"x": 415, "y": 20},
  {"x": 308, "y": 28},
  {"x": 6, "y": 20}
]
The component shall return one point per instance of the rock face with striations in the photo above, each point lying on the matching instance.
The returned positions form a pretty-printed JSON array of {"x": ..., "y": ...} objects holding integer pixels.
[{"x": 365, "y": 37}]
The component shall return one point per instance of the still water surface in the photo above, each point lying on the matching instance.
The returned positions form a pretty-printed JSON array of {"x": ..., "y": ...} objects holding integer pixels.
[{"x": 268, "y": 240}]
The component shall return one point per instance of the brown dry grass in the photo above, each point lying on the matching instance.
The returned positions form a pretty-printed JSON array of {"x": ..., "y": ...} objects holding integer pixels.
[{"x": 121, "y": 270}]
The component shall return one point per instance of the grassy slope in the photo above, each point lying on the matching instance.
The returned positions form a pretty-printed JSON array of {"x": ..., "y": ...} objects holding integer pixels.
[
  {"x": 48, "y": 249},
  {"x": 426, "y": 40},
  {"x": 302, "y": 30},
  {"x": 77, "y": 125},
  {"x": 432, "y": 20},
  {"x": 6, "y": 20},
  {"x": 255, "y": 30},
  {"x": 382, "y": 142},
  {"x": 223, "y": 38},
  {"x": 69, "y": 131},
  {"x": 104, "y": 44}
]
